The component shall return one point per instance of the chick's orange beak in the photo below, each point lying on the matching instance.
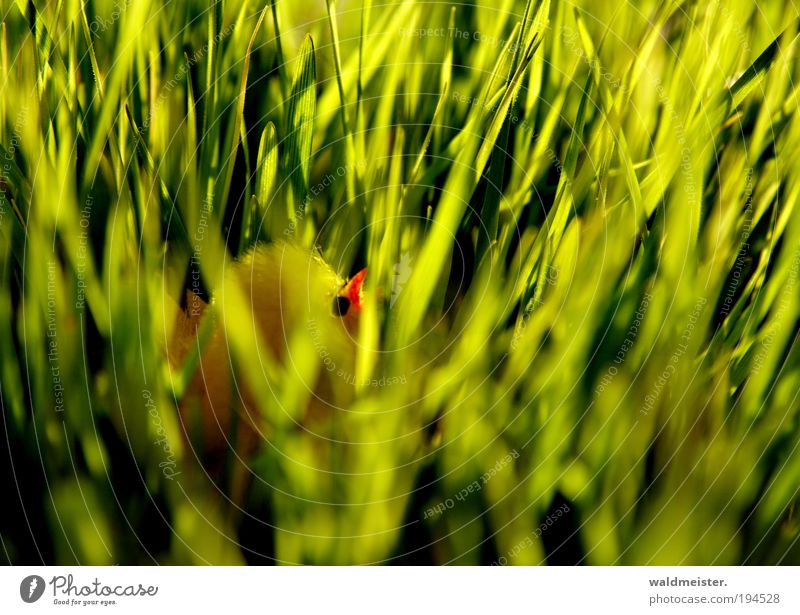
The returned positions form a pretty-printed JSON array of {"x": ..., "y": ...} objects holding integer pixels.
[{"x": 354, "y": 290}]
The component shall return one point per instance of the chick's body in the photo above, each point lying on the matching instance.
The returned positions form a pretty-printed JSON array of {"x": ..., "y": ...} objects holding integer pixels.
[{"x": 288, "y": 294}]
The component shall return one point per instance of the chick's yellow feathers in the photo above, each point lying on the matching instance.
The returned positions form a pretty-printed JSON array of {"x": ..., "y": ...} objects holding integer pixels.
[{"x": 280, "y": 300}]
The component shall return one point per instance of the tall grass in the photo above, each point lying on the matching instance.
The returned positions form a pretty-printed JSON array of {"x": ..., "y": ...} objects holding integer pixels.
[{"x": 583, "y": 249}]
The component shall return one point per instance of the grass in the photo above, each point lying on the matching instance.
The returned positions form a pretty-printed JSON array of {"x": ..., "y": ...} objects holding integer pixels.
[{"x": 582, "y": 219}]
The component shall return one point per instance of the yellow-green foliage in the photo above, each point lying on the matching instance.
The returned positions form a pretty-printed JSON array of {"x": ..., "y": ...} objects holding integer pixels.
[{"x": 583, "y": 246}]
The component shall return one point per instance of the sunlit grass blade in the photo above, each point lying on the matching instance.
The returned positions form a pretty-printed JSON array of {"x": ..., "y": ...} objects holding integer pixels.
[{"x": 300, "y": 113}]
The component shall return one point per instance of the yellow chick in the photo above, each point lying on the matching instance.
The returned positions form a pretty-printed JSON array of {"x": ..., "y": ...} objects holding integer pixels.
[{"x": 295, "y": 301}]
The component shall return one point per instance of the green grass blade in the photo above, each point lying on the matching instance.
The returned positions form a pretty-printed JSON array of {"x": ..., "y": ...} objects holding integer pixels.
[{"x": 299, "y": 128}]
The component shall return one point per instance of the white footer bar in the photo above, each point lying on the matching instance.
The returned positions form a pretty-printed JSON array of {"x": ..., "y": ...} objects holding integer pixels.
[{"x": 400, "y": 590}]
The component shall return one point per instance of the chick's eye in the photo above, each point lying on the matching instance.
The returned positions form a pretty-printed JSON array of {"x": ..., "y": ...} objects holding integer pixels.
[{"x": 340, "y": 305}]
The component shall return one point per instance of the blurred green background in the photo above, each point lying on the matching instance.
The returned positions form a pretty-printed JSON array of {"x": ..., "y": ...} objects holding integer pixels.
[{"x": 582, "y": 217}]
